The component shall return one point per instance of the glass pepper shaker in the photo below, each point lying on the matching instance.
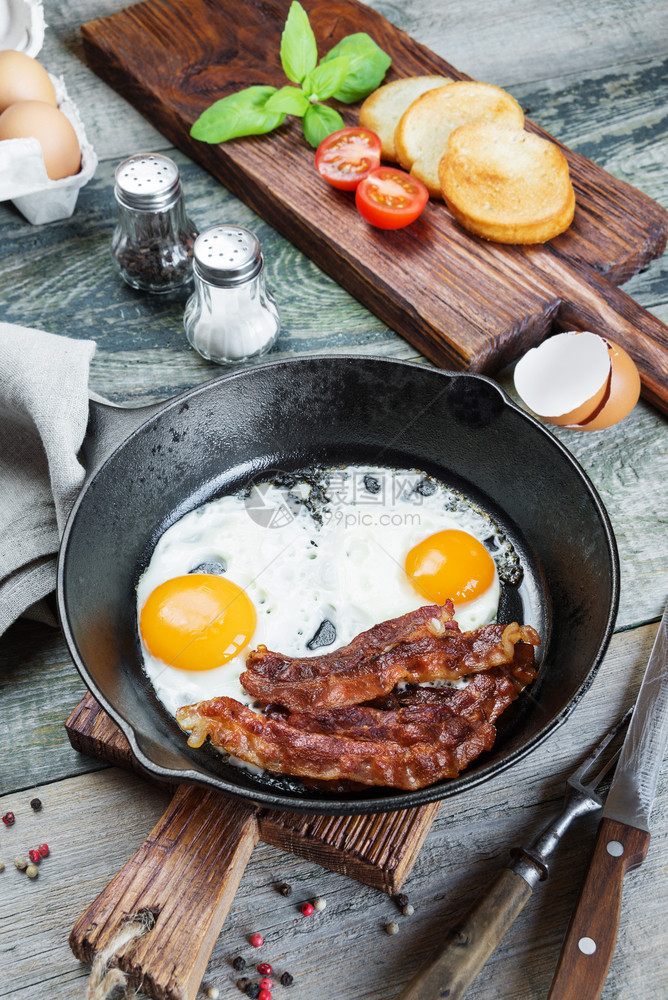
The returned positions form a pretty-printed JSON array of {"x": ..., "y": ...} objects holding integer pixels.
[
  {"x": 152, "y": 243},
  {"x": 230, "y": 316}
]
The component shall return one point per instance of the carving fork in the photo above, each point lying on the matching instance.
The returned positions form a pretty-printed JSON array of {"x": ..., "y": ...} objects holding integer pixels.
[{"x": 468, "y": 946}]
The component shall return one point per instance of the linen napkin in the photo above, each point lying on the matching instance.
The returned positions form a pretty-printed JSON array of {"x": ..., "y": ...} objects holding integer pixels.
[{"x": 43, "y": 417}]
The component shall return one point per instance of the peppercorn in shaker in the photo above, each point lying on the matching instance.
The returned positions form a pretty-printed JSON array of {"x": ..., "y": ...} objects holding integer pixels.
[
  {"x": 230, "y": 316},
  {"x": 152, "y": 244}
]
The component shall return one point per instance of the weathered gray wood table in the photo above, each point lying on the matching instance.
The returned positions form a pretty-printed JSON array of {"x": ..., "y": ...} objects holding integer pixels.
[{"x": 594, "y": 76}]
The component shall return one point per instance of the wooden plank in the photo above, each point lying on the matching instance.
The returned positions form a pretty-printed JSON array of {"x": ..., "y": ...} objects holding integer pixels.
[
  {"x": 454, "y": 321},
  {"x": 185, "y": 875},
  {"x": 378, "y": 850},
  {"x": 38, "y": 686}
]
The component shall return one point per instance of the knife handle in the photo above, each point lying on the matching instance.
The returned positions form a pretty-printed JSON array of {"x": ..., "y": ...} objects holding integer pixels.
[
  {"x": 592, "y": 933},
  {"x": 465, "y": 950}
]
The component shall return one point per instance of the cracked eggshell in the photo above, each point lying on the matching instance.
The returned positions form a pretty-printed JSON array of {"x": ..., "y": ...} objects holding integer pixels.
[
  {"x": 622, "y": 395},
  {"x": 578, "y": 380}
]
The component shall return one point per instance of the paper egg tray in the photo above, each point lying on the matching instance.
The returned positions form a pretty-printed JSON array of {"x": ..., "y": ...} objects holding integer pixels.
[{"x": 23, "y": 177}]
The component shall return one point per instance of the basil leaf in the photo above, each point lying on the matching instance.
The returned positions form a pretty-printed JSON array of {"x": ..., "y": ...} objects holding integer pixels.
[
  {"x": 237, "y": 115},
  {"x": 368, "y": 65},
  {"x": 299, "y": 52},
  {"x": 289, "y": 101},
  {"x": 319, "y": 122},
  {"x": 325, "y": 79}
]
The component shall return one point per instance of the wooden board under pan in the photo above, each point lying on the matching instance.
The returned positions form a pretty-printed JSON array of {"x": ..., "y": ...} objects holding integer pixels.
[{"x": 190, "y": 865}]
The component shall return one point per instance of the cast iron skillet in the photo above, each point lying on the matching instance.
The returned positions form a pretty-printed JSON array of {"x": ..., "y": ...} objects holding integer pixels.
[{"x": 148, "y": 467}]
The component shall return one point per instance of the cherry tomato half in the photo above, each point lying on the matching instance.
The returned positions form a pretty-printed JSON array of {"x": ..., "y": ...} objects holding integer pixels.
[
  {"x": 390, "y": 198},
  {"x": 345, "y": 157}
]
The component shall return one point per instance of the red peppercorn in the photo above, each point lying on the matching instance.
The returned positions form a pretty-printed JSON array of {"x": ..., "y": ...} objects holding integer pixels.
[
  {"x": 307, "y": 909},
  {"x": 35, "y": 857},
  {"x": 44, "y": 850},
  {"x": 264, "y": 969},
  {"x": 266, "y": 984},
  {"x": 264, "y": 995},
  {"x": 256, "y": 940},
  {"x": 9, "y": 819}
]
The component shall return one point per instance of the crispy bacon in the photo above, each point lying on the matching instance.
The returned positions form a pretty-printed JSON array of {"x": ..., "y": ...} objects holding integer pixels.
[
  {"x": 284, "y": 749},
  {"x": 426, "y": 735},
  {"x": 419, "y": 647}
]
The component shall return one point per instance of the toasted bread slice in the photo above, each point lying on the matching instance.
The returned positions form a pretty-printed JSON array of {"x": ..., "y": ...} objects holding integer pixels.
[
  {"x": 383, "y": 108},
  {"x": 505, "y": 184},
  {"x": 421, "y": 137}
]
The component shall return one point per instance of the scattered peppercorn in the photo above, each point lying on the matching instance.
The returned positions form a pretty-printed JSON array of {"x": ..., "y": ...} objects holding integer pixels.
[
  {"x": 253, "y": 991},
  {"x": 239, "y": 963},
  {"x": 2, "y": 866},
  {"x": 243, "y": 982},
  {"x": 319, "y": 903},
  {"x": 20, "y": 863},
  {"x": 35, "y": 857},
  {"x": 213, "y": 993},
  {"x": 9, "y": 819},
  {"x": 285, "y": 889},
  {"x": 264, "y": 995},
  {"x": 307, "y": 909},
  {"x": 256, "y": 940},
  {"x": 32, "y": 871},
  {"x": 43, "y": 850},
  {"x": 401, "y": 900},
  {"x": 36, "y": 804},
  {"x": 392, "y": 927},
  {"x": 408, "y": 910},
  {"x": 287, "y": 979},
  {"x": 266, "y": 984},
  {"x": 264, "y": 969}
]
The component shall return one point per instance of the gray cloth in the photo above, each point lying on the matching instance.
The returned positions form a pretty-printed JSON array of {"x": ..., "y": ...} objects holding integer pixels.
[{"x": 43, "y": 417}]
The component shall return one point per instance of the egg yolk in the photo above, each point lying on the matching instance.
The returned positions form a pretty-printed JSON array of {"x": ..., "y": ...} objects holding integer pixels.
[
  {"x": 450, "y": 564},
  {"x": 197, "y": 622}
]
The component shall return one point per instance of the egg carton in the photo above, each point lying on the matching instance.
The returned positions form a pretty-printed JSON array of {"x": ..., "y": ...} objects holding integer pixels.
[{"x": 23, "y": 176}]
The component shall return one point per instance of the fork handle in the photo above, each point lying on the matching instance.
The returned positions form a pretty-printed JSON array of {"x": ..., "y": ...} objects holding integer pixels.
[
  {"x": 590, "y": 940},
  {"x": 465, "y": 950}
]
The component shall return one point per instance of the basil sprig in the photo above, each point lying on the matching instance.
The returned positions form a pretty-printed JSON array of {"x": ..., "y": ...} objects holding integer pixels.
[{"x": 348, "y": 73}]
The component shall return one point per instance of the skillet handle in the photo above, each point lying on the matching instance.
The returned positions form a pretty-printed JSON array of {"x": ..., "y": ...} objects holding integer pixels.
[
  {"x": 185, "y": 874},
  {"x": 108, "y": 426}
]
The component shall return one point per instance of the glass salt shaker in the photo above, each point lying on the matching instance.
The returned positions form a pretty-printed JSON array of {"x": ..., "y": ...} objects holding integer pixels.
[
  {"x": 230, "y": 316},
  {"x": 152, "y": 244}
]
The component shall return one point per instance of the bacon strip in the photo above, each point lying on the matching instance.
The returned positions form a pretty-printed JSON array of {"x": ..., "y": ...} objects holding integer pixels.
[
  {"x": 419, "y": 647},
  {"x": 283, "y": 749},
  {"x": 432, "y": 733}
]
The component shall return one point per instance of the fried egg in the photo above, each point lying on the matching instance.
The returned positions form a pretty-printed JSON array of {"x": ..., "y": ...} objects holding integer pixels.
[{"x": 302, "y": 564}]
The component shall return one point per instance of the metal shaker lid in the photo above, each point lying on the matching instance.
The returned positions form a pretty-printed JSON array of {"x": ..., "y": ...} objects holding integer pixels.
[
  {"x": 227, "y": 255},
  {"x": 148, "y": 181}
]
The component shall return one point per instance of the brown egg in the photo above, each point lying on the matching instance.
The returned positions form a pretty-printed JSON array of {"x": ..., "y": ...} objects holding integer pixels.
[
  {"x": 578, "y": 380},
  {"x": 55, "y": 133},
  {"x": 22, "y": 78}
]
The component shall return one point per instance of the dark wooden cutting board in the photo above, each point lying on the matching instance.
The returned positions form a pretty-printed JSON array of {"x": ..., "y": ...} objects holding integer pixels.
[
  {"x": 462, "y": 302},
  {"x": 188, "y": 869}
]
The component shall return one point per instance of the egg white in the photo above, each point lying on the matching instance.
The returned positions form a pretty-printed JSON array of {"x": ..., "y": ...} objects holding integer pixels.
[{"x": 339, "y": 557}]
